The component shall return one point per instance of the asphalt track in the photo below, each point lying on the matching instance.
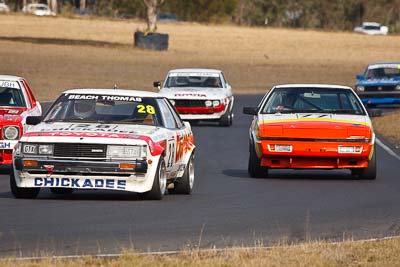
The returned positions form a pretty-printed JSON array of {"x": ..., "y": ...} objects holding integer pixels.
[{"x": 227, "y": 208}]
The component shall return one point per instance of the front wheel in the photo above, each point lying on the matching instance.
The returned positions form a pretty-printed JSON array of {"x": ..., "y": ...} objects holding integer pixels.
[
  {"x": 184, "y": 185},
  {"x": 159, "y": 184},
  {"x": 226, "y": 119},
  {"x": 254, "y": 166},
  {"x": 21, "y": 192}
]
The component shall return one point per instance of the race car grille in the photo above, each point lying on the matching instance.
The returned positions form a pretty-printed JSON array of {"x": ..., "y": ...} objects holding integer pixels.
[
  {"x": 189, "y": 103},
  {"x": 379, "y": 88},
  {"x": 80, "y": 150}
]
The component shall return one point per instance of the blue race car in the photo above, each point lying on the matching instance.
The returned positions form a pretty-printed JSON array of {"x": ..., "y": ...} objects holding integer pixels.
[{"x": 380, "y": 84}]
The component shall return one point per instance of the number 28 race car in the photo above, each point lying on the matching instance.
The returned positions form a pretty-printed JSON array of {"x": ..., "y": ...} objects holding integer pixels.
[
  {"x": 16, "y": 103},
  {"x": 311, "y": 127},
  {"x": 199, "y": 95},
  {"x": 105, "y": 139}
]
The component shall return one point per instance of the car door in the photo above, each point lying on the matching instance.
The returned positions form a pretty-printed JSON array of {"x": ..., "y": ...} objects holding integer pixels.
[{"x": 178, "y": 138}]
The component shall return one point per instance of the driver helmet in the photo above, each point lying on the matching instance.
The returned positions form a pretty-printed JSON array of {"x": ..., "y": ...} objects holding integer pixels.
[{"x": 84, "y": 108}]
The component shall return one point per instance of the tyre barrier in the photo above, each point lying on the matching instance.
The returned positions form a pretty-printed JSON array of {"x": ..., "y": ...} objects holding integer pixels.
[{"x": 153, "y": 41}]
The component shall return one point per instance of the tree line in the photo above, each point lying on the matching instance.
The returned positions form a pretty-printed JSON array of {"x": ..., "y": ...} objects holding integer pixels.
[{"x": 320, "y": 14}]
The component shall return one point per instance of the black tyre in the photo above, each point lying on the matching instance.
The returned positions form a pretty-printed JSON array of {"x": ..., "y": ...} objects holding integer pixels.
[
  {"x": 226, "y": 120},
  {"x": 159, "y": 184},
  {"x": 61, "y": 191},
  {"x": 184, "y": 185},
  {"x": 368, "y": 173},
  {"x": 21, "y": 192},
  {"x": 254, "y": 167}
]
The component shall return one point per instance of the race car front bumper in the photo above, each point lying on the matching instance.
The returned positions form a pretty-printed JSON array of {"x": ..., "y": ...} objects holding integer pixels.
[
  {"x": 134, "y": 176},
  {"x": 380, "y": 97},
  {"x": 315, "y": 155}
]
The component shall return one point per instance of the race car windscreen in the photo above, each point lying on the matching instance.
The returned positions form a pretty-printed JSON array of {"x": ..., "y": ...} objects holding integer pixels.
[
  {"x": 383, "y": 72},
  {"x": 105, "y": 109},
  {"x": 312, "y": 100},
  {"x": 196, "y": 80},
  {"x": 11, "y": 97}
]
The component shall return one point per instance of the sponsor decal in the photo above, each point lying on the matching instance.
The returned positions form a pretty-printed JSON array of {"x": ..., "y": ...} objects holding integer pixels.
[
  {"x": 314, "y": 119},
  {"x": 387, "y": 66},
  {"x": 79, "y": 183},
  {"x": 5, "y": 145},
  {"x": 198, "y": 74},
  {"x": 190, "y": 94},
  {"x": 105, "y": 97},
  {"x": 9, "y": 84},
  {"x": 96, "y": 129}
]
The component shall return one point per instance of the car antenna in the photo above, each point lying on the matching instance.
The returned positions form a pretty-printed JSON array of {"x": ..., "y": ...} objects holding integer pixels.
[{"x": 115, "y": 86}]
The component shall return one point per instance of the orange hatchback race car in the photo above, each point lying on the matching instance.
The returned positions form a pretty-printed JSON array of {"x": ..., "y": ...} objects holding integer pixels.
[{"x": 311, "y": 126}]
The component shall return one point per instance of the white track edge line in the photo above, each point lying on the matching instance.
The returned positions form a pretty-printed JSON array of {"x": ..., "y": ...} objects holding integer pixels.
[
  {"x": 387, "y": 149},
  {"x": 175, "y": 252}
]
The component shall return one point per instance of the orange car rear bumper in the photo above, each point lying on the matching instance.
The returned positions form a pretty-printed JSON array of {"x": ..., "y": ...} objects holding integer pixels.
[{"x": 314, "y": 155}]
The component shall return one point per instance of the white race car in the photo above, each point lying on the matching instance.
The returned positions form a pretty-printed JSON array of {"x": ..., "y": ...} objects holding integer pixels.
[
  {"x": 16, "y": 103},
  {"x": 105, "y": 139},
  {"x": 372, "y": 28},
  {"x": 199, "y": 94}
]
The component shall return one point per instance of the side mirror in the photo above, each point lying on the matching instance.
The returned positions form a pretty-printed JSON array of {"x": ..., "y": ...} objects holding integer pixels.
[
  {"x": 250, "y": 110},
  {"x": 360, "y": 77},
  {"x": 157, "y": 85},
  {"x": 33, "y": 120},
  {"x": 187, "y": 124}
]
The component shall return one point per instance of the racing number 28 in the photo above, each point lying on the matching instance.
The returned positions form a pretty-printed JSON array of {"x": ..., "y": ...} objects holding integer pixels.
[
  {"x": 146, "y": 109},
  {"x": 171, "y": 144}
]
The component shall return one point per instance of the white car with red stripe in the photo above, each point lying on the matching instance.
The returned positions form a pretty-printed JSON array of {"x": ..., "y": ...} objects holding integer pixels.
[
  {"x": 16, "y": 103},
  {"x": 199, "y": 94},
  {"x": 106, "y": 139}
]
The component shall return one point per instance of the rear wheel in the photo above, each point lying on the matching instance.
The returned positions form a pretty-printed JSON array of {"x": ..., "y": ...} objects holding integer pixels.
[
  {"x": 21, "y": 192},
  {"x": 61, "y": 191},
  {"x": 184, "y": 185},
  {"x": 368, "y": 173},
  {"x": 159, "y": 184},
  {"x": 254, "y": 167}
]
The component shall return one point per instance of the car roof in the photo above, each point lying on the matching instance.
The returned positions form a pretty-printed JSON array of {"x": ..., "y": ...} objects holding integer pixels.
[
  {"x": 322, "y": 86},
  {"x": 195, "y": 70},
  {"x": 118, "y": 92},
  {"x": 10, "y": 78},
  {"x": 385, "y": 63},
  {"x": 368, "y": 23}
]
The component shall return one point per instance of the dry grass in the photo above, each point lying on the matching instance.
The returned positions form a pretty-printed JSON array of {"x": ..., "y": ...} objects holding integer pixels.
[
  {"x": 60, "y": 53},
  {"x": 380, "y": 253},
  {"x": 389, "y": 126}
]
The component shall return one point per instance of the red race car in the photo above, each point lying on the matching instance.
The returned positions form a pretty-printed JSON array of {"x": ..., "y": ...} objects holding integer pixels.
[{"x": 16, "y": 103}]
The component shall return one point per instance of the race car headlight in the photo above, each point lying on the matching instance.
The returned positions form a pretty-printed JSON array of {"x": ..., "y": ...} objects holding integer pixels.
[
  {"x": 360, "y": 88},
  {"x": 126, "y": 152},
  {"x": 216, "y": 103},
  {"x": 398, "y": 87},
  {"x": 280, "y": 148},
  {"x": 350, "y": 149},
  {"x": 45, "y": 149},
  {"x": 208, "y": 103},
  {"x": 11, "y": 132}
]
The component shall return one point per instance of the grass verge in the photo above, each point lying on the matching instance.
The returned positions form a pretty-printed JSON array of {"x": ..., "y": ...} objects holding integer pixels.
[
  {"x": 348, "y": 253},
  {"x": 389, "y": 126},
  {"x": 60, "y": 53}
]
